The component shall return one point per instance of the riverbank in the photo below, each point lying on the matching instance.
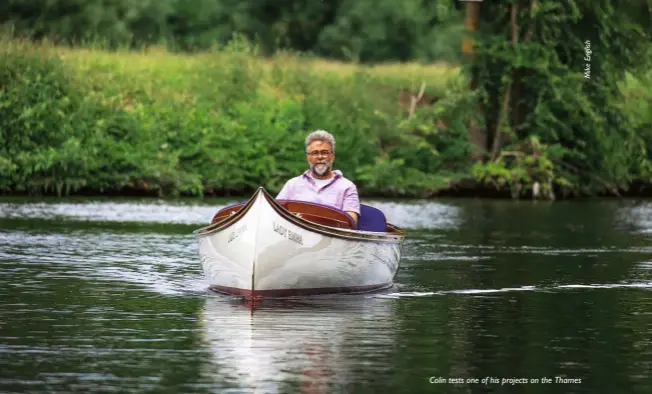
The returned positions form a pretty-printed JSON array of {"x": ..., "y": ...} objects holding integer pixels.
[
  {"x": 93, "y": 122},
  {"x": 462, "y": 190}
]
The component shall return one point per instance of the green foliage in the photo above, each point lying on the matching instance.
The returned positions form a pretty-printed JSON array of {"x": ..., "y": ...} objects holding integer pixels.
[
  {"x": 423, "y": 154},
  {"x": 227, "y": 119},
  {"x": 56, "y": 137},
  {"x": 36, "y": 117},
  {"x": 112, "y": 23},
  {"x": 344, "y": 29},
  {"x": 224, "y": 122},
  {"x": 390, "y": 30},
  {"x": 526, "y": 170},
  {"x": 591, "y": 141},
  {"x": 637, "y": 108}
]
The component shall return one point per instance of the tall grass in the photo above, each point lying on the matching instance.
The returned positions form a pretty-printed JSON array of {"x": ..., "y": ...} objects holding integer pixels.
[{"x": 224, "y": 121}]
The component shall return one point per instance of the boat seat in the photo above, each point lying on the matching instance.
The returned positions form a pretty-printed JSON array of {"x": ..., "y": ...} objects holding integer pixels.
[
  {"x": 349, "y": 217},
  {"x": 231, "y": 206},
  {"x": 372, "y": 219},
  {"x": 226, "y": 208}
]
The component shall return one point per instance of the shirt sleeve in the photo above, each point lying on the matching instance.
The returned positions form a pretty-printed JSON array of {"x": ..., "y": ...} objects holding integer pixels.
[
  {"x": 286, "y": 191},
  {"x": 351, "y": 200}
]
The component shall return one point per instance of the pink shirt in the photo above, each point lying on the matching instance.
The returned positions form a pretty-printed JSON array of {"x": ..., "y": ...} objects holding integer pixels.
[{"x": 338, "y": 193}]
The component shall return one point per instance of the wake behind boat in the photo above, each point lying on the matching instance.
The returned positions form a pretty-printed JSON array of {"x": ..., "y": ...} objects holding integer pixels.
[{"x": 270, "y": 248}]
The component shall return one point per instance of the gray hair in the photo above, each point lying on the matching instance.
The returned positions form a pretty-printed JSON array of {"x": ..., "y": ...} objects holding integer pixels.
[{"x": 320, "y": 135}]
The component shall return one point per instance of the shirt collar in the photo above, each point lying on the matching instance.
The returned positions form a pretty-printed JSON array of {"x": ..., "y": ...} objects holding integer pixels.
[{"x": 338, "y": 174}]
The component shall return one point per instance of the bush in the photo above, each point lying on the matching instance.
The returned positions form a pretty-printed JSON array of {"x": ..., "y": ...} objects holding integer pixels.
[{"x": 221, "y": 122}]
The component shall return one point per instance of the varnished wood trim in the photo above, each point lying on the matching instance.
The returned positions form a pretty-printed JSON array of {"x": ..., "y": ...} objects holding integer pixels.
[
  {"x": 229, "y": 220},
  {"x": 308, "y": 210},
  {"x": 314, "y": 213},
  {"x": 396, "y": 237}
]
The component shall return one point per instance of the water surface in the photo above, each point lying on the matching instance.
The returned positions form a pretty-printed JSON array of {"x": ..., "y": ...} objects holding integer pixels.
[{"x": 106, "y": 295}]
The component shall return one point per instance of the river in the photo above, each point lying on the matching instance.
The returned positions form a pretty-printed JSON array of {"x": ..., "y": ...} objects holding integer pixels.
[{"x": 106, "y": 295}]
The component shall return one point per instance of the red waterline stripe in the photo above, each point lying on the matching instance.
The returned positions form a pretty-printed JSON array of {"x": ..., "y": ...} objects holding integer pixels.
[{"x": 297, "y": 292}]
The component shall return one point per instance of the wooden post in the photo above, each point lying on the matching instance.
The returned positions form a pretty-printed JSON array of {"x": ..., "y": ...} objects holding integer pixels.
[{"x": 471, "y": 25}]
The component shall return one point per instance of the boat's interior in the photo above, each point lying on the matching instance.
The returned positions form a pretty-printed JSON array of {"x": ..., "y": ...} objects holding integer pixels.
[{"x": 371, "y": 219}]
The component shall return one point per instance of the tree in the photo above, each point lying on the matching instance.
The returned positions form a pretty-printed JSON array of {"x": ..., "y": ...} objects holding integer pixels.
[{"x": 548, "y": 72}]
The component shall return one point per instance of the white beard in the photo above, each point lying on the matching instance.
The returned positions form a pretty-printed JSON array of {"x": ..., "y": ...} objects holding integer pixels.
[{"x": 321, "y": 169}]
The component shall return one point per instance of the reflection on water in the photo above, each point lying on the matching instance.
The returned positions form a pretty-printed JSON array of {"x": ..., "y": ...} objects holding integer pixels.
[
  {"x": 108, "y": 296},
  {"x": 636, "y": 216},
  {"x": 409, "y": 215},
  {"x": 625, "y": 215},
  {"x": 304, "y": 346}
]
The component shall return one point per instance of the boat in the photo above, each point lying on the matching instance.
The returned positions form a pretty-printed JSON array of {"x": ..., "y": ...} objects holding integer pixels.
[{"x": 265, "y": 247}]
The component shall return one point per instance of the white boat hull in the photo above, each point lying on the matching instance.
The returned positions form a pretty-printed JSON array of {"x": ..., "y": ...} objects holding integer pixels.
[{"x": 267, "y": 253}]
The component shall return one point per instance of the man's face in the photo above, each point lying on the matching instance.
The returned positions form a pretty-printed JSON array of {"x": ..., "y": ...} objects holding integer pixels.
[{"x": 320, "y": 157}]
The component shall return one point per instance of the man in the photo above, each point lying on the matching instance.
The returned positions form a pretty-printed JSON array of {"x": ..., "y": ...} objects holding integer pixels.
[{"x": 321, "y": 184}]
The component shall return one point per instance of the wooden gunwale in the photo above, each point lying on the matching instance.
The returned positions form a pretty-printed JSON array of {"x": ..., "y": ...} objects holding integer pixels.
[{"x": 395, "y": 237}]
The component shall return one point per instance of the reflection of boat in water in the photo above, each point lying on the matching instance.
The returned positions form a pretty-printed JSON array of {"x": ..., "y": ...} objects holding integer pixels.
[
  {"x": 270, "y": 248},
  {"x": 303, "y": 346}
]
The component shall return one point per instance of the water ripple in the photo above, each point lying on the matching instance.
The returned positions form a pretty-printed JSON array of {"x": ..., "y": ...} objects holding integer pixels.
[
  {"x": 111, "y": 307},
  {"x": 158, "y": 212},
  {"x": 162, "y": 263},
  {"x": 645, "y": 285},
  {"x": 420, "y": 214}
]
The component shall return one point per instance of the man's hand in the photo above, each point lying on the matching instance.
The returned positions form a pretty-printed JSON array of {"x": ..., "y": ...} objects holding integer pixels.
[{"x": 354, "y": 215}]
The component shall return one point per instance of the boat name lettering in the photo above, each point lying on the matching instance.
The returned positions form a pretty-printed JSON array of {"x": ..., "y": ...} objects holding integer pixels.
[
  {"x": 292, "y": 236},
  {"x": 236, "y": 233},
  {"x": 295, "y": 237}
]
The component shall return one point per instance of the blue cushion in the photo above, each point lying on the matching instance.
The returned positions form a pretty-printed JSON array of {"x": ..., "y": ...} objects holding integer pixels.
[{"x": 371, "y": 219}]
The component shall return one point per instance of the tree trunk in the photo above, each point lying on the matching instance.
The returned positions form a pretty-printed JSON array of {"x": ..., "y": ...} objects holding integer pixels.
[
  {"x": 471, "y": 25},
  {"x": 519, "y": 107},
  {"x": 477, "y": 134},
  {"x": 504, "y": 118}
]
